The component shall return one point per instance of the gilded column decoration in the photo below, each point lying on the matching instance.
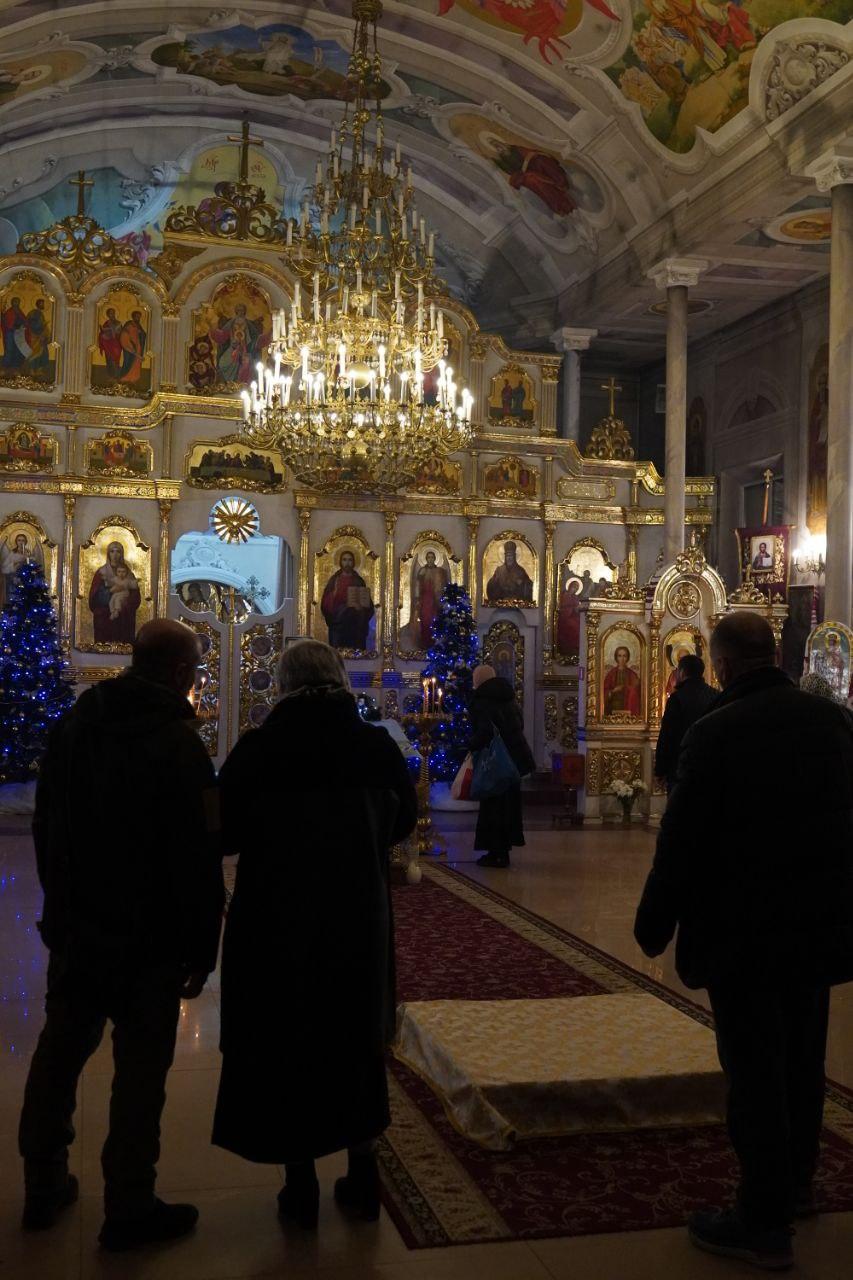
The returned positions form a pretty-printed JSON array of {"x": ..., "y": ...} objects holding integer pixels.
[
  {"x": 591, "y": 669},
  {"x": 170, "y": 355},
  {"x": 473, "y": 477},
  {"x": 476, "y": 370},
  {"x": 632, "y": 534},
  {"x": 71, "y": 449},
  {"x": 163, "y": 559},
  {"x": 302, "y": 597},
  {"x": 548, "y": 480},
  {"x": 548, "y": 410},
  {"x": 260, "y": 647},
  {"x": 74, "y": 344},
  {"x": 208, "y": 683},
  {"x": 654, "y": 662},
  {"x": 473, "y": 562},
  {"x": 626, "y": 766},
  {"x": 66, "y": 595},
  {"x": 391, "y": 709},
  {"x": 550, "y": 717},
  {"x": 569, "y": 726},
  {"x": 592, "y": 783},
  {"x": 548, "y": 629},
  {"x": 166, "y": 437},
  {"x": 389, "y": 612}
]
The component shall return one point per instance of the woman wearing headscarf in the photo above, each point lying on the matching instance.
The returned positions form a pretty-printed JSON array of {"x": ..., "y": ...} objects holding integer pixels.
[
  {"x": 499, "y": 823},
  {"x": 312, "y": 801}
]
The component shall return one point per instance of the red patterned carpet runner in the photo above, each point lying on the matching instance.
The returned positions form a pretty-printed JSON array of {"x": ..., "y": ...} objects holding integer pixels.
[{"x": 458, "y": 940}]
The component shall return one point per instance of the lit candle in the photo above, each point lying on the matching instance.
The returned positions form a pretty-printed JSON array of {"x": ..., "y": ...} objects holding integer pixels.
[
  {"x": 423, "y": 231},
  {"x": 431, "y": 249},
  {"x": 409, "y": 177},
  {"x": 441, "y": 324},
  {"x": 432, "y": 315},
  {"x": 297, "y": 297},
  {"x": 426, "y": 695},
  {"x": 342, "y": 360},
  {"x": 358, "y": 279},
  {"x": 440, "y": 696},
  {"x": 246, "y": 403}
]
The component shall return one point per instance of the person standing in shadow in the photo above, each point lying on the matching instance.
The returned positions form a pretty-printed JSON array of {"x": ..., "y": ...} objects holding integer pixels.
[
  {"x": 131, "y": 919},
  {"x": 493, "y": 706},
  {"x": 758, "y": 881},
  {"x": 690, "y": 699},
  {"x": 312, "y": 801}
]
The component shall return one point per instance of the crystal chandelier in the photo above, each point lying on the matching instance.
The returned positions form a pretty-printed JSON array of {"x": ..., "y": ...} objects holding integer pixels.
[{"x": 344, "y": 397}]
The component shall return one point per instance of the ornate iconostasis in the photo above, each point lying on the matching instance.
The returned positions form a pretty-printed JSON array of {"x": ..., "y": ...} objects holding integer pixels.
[{"x": 125, "y": 472}]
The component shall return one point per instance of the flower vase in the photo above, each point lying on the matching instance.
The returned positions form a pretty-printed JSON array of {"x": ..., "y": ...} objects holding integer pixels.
[{"x": 627, "y": 805}]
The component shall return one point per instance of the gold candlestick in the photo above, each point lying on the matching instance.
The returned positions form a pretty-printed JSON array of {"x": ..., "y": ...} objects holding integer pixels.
[{"x": 426, "y": 722}]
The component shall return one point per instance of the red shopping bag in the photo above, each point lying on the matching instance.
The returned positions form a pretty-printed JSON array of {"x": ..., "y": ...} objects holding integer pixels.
[{"x": 460, "y": 788}]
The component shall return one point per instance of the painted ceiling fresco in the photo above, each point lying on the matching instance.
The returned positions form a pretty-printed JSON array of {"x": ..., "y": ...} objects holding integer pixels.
[{"x": 546, "y": 135}]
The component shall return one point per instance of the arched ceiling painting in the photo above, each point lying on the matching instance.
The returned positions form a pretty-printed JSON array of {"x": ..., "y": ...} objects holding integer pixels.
[{"x": 561, "y": 147}]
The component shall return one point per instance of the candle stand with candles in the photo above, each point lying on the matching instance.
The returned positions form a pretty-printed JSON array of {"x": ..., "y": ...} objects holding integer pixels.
[{"x": 426, "y": 721}]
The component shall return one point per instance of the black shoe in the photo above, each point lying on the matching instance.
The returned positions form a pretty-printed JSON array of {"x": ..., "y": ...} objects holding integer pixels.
[
  {"x": 41, "y": 1211},
  {"x": 724, "y": 1234},
  {"x": 300, "y": 1203},
  {"x": 493, "y": 860},
  {"x": 359, "y": 1190},
  {"x": 164, "y": 1222},
  {"x": 805, "y": 1204}
]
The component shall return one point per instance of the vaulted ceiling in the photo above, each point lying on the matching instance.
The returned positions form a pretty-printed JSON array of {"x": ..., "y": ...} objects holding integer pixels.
[{"x": 560, "y": 147}]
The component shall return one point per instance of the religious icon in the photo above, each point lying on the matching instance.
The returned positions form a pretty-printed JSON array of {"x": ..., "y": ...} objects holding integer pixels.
[
  {"x": 29, "y": 353},
  {"x": 622, "y": 684},
  {"x": 585, "y": 574},
  {"x": 503, "y": 649},
  {"x": 121, "y": 360},
  {"x": 817, "y": 436},
  {"x": 118, "y": 454},
  {"x": 198, "y": 596},
  {"x": 511, "y": 394},
  {"x": 829, "y": 655},
  {"x": 509, "y": 571},
  {"x": 18, "y": 544},
  {"x": 438, "y": 475},
  {"x": 232, "y": 464},
  {"x": 762, "y": 553},
  {"x": 677, "y": 645},
  {"x": 113, "y": 600},
  {"x": 568, "y": 636},
  {"x": 230, "y": 335},
  {"x": 346, "y": 605},
  {"x": 511, "y": 477},
  {"x": 26, "y": 449}
]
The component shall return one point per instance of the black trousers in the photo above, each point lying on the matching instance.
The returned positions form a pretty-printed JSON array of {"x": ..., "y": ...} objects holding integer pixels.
[
  {"x": 143, "y": 1004},
  {"x": 772, "y": 1046}
]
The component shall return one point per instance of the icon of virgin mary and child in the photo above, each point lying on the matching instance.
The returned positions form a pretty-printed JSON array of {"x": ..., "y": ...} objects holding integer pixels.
[{"x": 114, "y": 597}]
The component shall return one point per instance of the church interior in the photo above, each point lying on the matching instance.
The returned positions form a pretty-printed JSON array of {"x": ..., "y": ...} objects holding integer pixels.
[{"x": 310, "y": 311}]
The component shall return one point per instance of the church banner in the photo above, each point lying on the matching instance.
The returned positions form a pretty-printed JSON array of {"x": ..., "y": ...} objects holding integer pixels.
[{"x": 765, "y": 557}]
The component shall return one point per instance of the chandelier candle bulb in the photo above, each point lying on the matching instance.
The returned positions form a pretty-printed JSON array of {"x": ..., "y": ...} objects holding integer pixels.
[
  {"x": 328, "y": 313},
  {"x": 318, "y": 175},
  {"x": 431, "y": 249},
  {"x": 352, "y": 215},
  {"x": 289, "y": 237},
  {"x": 378, "y": 221}
]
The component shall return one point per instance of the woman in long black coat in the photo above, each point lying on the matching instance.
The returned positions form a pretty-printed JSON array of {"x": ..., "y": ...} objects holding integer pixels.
[
  {"x": 499, "y": 823},
  {"x": 312, "y": 801}
]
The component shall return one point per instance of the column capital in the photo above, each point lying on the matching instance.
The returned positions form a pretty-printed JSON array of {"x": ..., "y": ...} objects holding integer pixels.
[
  {"x": 569, "y": 339},
  {"x": 670, "y": 272},
  {"x": 832, "y": 169}
]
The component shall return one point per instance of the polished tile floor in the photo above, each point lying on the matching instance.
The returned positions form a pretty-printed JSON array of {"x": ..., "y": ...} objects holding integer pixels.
[{"x": 587, "y": 882}]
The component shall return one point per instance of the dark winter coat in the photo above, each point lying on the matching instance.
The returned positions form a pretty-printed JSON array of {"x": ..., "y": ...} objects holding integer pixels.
[
  {"x": 494, "y": 706},
  {"x": 685, "y": 705},
  {"x": 312, "y": 802},
  {"x": 754, "y": 862},
  {"x": 126, "y": 830}
]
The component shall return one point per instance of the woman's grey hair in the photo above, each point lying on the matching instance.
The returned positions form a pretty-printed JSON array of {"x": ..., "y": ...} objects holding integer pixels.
[
  {"x": 310, "y": 664},
  {"x": 819, "y": 686}
]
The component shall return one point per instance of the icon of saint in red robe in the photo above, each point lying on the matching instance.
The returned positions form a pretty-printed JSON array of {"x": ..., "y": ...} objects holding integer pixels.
[
  {"x": 346, "y": 606},
  {"x": 622, "y": 687}
]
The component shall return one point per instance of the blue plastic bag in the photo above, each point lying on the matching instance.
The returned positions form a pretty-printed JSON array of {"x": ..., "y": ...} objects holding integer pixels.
[{"x": 494, "y": 771}]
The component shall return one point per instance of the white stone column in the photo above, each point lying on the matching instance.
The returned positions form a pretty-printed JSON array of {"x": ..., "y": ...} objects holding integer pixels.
[
  {"x": 834, "y": 172},
  {"x": 676, "y": 275},
  {"x": 571, "y": 342}
]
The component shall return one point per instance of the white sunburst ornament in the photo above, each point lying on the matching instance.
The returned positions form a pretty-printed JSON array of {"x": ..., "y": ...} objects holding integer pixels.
[{"x": 235, "y": 520}]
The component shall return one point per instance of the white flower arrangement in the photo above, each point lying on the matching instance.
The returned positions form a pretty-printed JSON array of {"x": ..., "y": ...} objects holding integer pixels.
[{"x": 627, "y": 790}]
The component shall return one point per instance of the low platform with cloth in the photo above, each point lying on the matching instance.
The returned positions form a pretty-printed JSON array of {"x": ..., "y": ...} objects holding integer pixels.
[{"x": 512, "y": 1069}]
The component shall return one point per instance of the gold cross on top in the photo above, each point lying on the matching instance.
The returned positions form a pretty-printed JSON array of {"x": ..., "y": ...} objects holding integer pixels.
[
  {"x": 611, "y": 386},
  {"x": 81, "y": 182},
  {"x": 245, "y": 141}
]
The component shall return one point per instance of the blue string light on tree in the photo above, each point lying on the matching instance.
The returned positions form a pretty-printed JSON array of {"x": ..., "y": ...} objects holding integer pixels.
[
  {"x": 35, "y": 687},
  {"x": 452, "y": 657}
]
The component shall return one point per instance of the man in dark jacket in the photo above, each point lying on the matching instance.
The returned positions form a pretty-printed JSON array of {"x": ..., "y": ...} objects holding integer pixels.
[
  {"x": 689, "y": 700},
  {"x": 126, "y": 836},
  {"x": 493, "y": 706},
  {"x": 754, "y": 866}
]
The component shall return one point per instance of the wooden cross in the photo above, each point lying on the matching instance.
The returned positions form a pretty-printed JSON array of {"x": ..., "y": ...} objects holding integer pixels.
[
  {"x": 81, "y": 182},
  {"x": 611, "y": 386},
  {"x": 245, "y": 142}
]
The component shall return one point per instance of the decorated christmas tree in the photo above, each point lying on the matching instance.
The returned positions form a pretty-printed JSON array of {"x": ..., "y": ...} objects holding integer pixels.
[
  {"x": 453, "y": 655},
  {"x": 35, "y": 688}
]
